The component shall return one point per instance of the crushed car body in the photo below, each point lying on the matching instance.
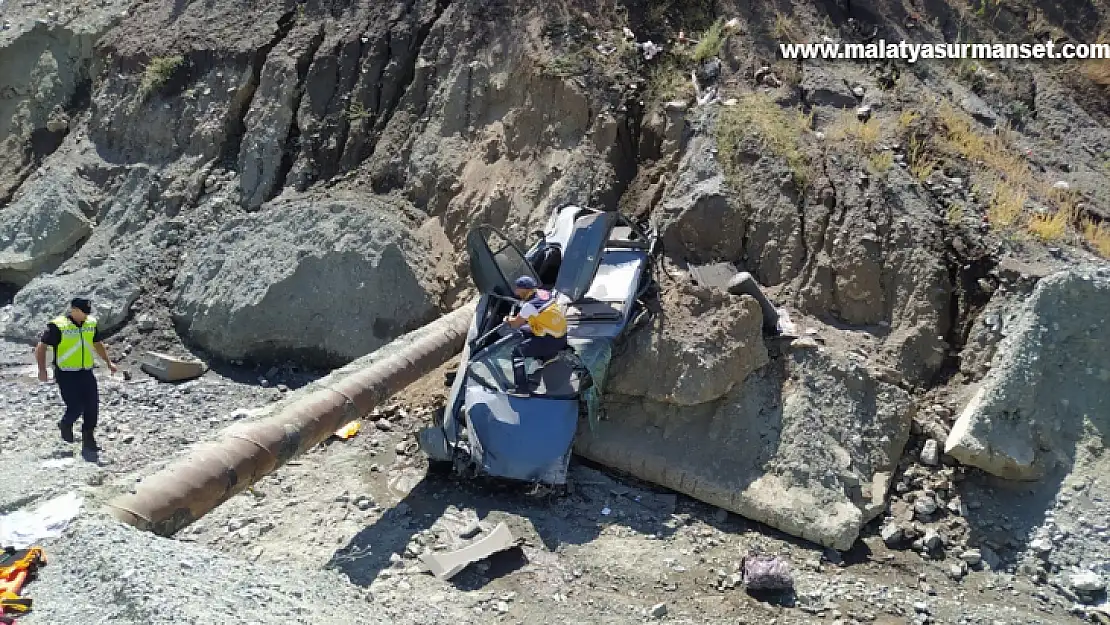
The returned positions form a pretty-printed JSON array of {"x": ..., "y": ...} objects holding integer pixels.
[{"x": 600, "y": 266}]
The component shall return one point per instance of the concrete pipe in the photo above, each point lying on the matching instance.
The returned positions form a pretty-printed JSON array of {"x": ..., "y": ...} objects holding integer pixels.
[
  {"x": 189, "y": 488},
  {"x": 744, "y": 284}
]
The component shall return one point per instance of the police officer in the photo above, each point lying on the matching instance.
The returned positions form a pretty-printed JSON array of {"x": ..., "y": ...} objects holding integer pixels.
[{"x": 75, "y": 337}]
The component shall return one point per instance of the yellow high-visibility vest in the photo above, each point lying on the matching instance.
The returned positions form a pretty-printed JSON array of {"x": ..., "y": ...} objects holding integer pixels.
[
  {"x": 75, "y": 352},
  {"x": 550, "y": 320}
]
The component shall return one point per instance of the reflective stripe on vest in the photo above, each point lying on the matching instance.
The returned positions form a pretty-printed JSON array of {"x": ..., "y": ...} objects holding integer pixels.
[
  {"x": 550, "y": 319},
  {"x": 75, "y": 351}
]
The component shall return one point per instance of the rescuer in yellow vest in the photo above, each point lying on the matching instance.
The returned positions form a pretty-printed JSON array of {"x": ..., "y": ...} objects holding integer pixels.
[
  {"x": 542, "y": 322},
  {"x": 75, "y": 338}
]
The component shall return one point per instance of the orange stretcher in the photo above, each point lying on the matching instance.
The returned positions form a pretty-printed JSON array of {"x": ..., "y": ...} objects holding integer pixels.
[{"x": 16, "y": 568}]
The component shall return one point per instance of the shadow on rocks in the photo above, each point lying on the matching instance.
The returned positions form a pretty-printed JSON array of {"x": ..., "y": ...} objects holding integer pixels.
[{"x": 575, "y": 516}]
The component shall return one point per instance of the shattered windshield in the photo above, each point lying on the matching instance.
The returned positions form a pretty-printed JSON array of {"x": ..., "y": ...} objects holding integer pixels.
[{"x": 493, "y": 369}]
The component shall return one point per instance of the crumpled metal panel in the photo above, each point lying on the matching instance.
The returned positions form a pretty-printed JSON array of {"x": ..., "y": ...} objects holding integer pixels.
[{"x": 520, "y": 438}]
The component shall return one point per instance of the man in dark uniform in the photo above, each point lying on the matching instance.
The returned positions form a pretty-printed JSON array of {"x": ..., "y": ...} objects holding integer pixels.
[{"x": 75, "y": 337}]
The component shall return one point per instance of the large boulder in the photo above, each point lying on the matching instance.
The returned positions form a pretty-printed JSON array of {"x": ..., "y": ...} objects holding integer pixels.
[
  {"x": 323, "y": 279},
  {"x": 706, "y": 343},
  {"x": 1047, "y": 388},
  {"x": 699, "y": 215},
  {"x": 806, "y": 445},
  {"x": 42, "y": 226},
  {"x": 113, "y": 287}
]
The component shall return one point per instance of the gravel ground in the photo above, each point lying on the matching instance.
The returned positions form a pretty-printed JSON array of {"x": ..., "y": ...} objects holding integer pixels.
[{"x": 334, "y": 536}]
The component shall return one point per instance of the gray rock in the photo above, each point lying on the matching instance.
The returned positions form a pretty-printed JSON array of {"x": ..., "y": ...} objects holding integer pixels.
[
  {"x": 326, "y": 279},
  {"x": 1047, "y": 378},
  {"x": 932, "y": 540},
  {"x": 892, "y": 534},
  {"x": 691, "y": 365},
  {"x": 925, "y": 506},
  {"x": 930, "y": 453},
  {"x": 42, "y": 226},
  {"x": 658, "y": 610},
  {"x": 113, "y": 287},
  {"x": 696, "y": 215},
  {"x": 267, "y": 127},
  {"x": 1086, "y": 581},
  {"x": 1041, "y": 546},
  {"x": 837, "y": 434},
  {"x": 822, "y": 88}
]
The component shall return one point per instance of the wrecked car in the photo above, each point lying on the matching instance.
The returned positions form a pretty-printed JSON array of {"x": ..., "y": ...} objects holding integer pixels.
[{"x": 601, "y": 265}]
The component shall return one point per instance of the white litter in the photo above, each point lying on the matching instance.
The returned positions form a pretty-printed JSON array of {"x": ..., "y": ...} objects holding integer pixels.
[
  {"x": 57, "y": 463},
  {"x": 786, "y": 326},
  {"x": 24, "y": 528},
  {"x": 606, "y": 511},
  {"x": 649, "y": 50}
]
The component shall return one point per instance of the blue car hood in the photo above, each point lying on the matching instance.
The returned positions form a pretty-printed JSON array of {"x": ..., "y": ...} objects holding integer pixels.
[{"x": 521, "y": 438}]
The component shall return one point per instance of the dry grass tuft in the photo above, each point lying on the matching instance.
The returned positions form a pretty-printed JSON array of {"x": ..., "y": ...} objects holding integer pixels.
[
  {"x": 786, "y": 29},
  {"x": 921, "y": 162},
  {"x": 1097, "y": 236},
  {"x": 159, "y": 72},
  {"x": 1007, "y": 204},
  {"x": 1051, "y": 227},
  {"x": 881, "y": 161},
  {"x": 961, "y": 137},
  {"x": 710, "y": 43},
  {"x": 779, "y": 129}
]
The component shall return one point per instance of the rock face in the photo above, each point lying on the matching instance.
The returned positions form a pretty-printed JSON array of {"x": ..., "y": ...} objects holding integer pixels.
[
  {"x": 1047, "y": 388},
  {"x": 698, "y": 198},
  {"x": 41, "y": 72},
  {"x": 43, "y": 226},
  {"x": 806, "y": 445},
  {"x": 704, "y": 344},
  {"x": 324, "y": 279}
]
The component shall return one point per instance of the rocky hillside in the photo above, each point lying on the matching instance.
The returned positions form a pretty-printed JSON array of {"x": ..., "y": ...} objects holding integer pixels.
[
  {"x": 284, "y": 150},
  {"x": 287, "y": 185}
]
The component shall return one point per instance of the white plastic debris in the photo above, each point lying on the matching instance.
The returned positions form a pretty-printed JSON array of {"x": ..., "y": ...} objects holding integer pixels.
[
  {"x": 732, "y": 25},
  {"x": 24, "y": 528},
  {"x": 786, "y": 326},
  {"x": 606, "y": 511},
  {"x": 1086, "y": 581},
  {"x": 649, "y": 49},
  {"x": 57, "y": 463},
  {"x": 1061, "y": 185}
]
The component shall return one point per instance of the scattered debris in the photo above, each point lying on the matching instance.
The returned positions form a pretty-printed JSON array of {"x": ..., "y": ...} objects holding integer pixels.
[
  {"x": 930, "y": 453},
  {"x": 649, "y": 50},
  {"x": 1086, "y": 582},
  {"x": 171, "y": 369},
  {"x": 349, "y": 430},
  {"x": 447, "y": 565},
  {"x": 763, "y": 572}
]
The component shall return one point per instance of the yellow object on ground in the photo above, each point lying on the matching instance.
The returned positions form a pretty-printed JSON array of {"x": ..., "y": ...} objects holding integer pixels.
[{"x": 349, "y": 430}]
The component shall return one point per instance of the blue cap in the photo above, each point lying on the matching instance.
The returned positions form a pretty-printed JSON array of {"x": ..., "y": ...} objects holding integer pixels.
[{"x": 525, "y": 282}]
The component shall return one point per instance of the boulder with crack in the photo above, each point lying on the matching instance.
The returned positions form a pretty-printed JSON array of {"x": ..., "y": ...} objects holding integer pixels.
[
  {"x": 325, "y": 279},
  {"x": 1047, "y": 390},
  {"x": 805, "y": 443}
]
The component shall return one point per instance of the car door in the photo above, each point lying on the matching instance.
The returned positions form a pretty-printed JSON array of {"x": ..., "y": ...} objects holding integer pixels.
[
  {"x": 583, "y": 254},
  {"x": 495, "y": 262}
]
